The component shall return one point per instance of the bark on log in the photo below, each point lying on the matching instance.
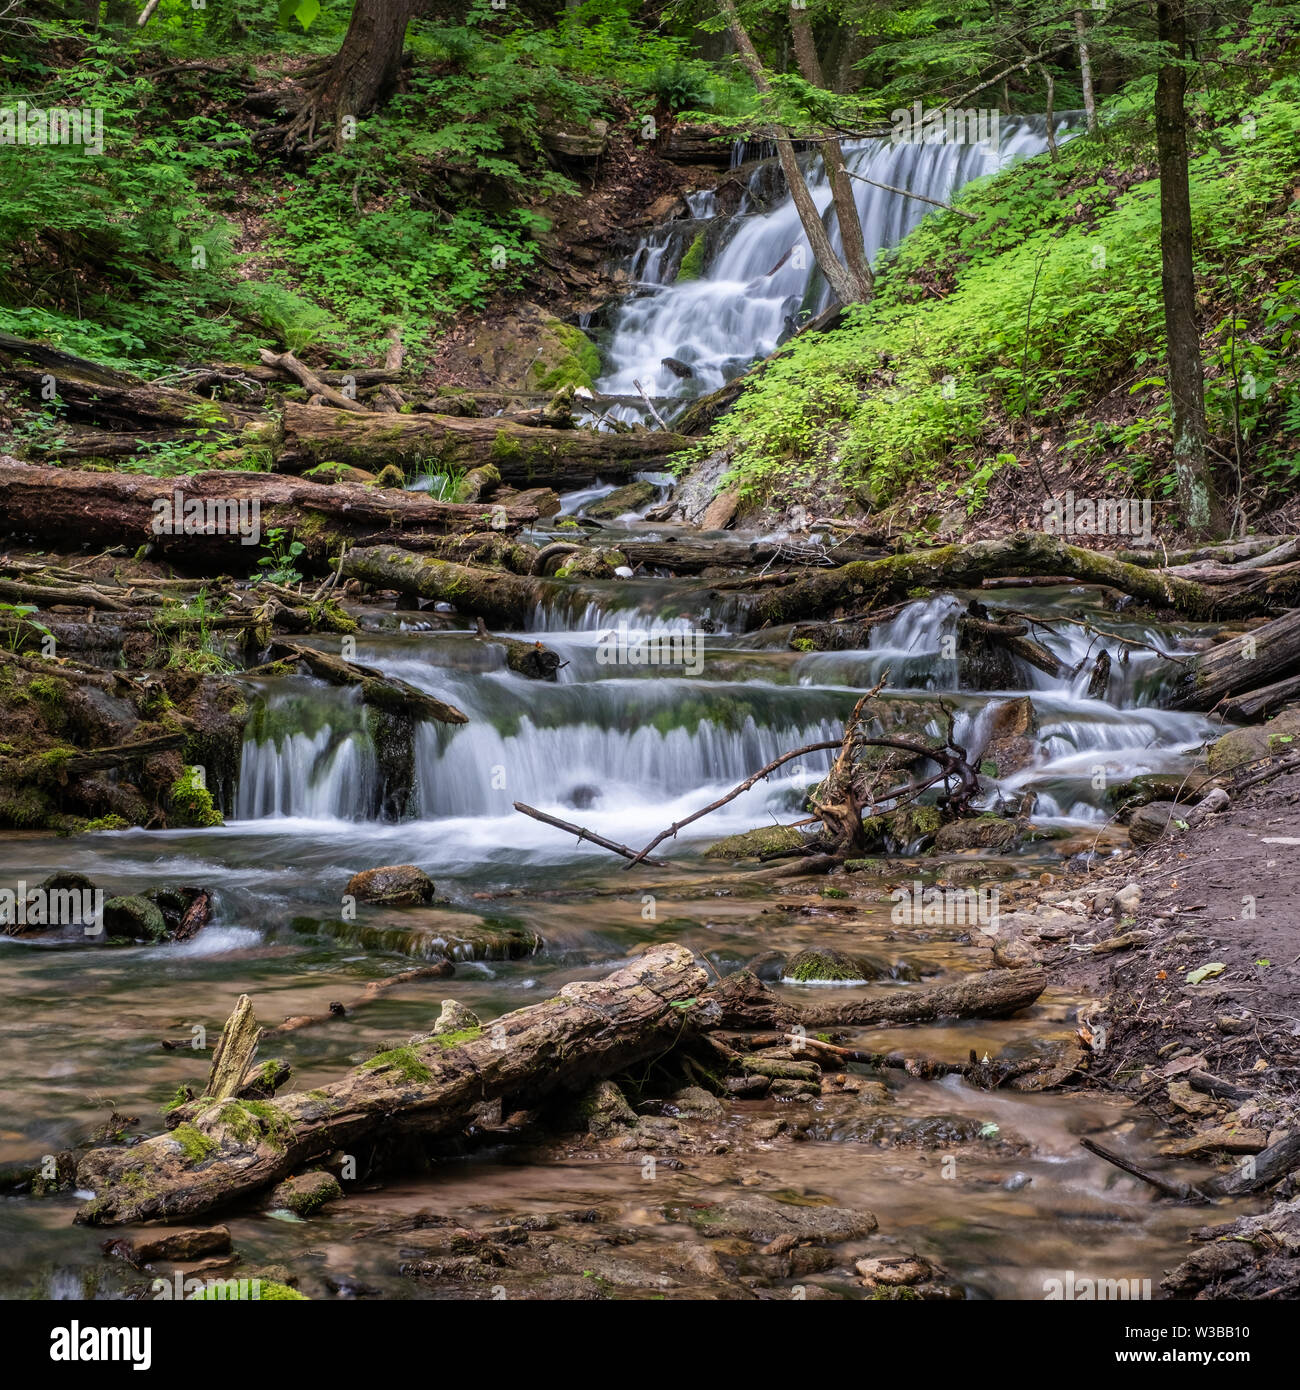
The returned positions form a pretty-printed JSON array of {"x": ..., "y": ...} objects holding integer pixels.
[
  {"x": 384, "y": 692},
  {"x": 234, "y": 1052},
  {"x": 1241, "y": 709},
  {"x": 589, "y": 1030},
  {"x": 870, "y": 582},
  {"x": 118, "y": 508},
  {"x": 524, "y": 456},
  {"x": 743, "y": 1001},
  {"x": 124, "y": 405},
  {"x": 1243, "y": 663},
  {"x": 691, "y": 556},
  {"x": 505, "y": 600}
]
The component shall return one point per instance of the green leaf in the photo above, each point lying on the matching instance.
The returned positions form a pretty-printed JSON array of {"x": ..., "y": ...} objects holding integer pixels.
[{"x": 1204, "y": 972}]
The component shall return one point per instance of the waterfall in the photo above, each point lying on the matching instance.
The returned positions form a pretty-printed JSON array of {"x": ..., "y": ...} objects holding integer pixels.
[{"x": 759, "y": 279}]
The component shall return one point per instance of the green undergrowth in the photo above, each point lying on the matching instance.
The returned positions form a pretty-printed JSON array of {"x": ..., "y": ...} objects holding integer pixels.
[{"x": 1045, "y": 305}]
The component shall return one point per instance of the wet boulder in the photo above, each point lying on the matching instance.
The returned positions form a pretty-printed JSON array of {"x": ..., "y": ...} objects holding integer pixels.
[
  {"x": 620, "y": 501},
  {"x": 980, "y": 833},
  {"x": 307, "y": 1193},
  {"x": 829, "y": 966},
  {"x": 135, "y": 918},
  {"x": 767, "y": 1220},
  {"x": 397, "y": 885},
  {"x": 1012, "y": 743}
]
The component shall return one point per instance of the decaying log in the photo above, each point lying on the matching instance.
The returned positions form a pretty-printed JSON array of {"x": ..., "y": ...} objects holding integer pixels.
[
  {"x": 865, "y": 583},
  {"x": 530, "y": 659},
  {"x": 118, "y": 509},
  {"x": 234, "y": 1052},
  {"x": 524, "y": 456},
  {"x": 1241, "y": 709},
  {"x": 589, "y": 1030},
  {"x": 689, "y": 556},
  {"x": 384, "y": 692},
  {"x": 436, "y": 970},
  {"x": 1240, "y": 664},
  {"x": 506, "y": 600},
  {"x": 743, "y": 1001},
  {"x": 287, "y": 363}
]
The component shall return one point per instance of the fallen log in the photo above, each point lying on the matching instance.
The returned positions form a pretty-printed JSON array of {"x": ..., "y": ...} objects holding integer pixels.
[
  {"x": 421, "y": 1092},
  {"x": 437, "y": 970},
  {"x": 743, "y": 1001},
  {"x": 690, "y": 556},
  {"x": 384, "y": 692},
  {"x": 1241, "y": 709},
  {"x": 126, "y": 404},
  {"x": 523, "y": 455},
  {"x": 63, "y": 504},
  {"x": 866, "y": 583},
  {"x": 1240, "y": 664},
  {"x": 506, "y": 600}
]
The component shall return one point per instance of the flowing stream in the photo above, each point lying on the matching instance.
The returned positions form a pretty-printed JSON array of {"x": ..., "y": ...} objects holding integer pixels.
[{"x": 625, "y": 749}]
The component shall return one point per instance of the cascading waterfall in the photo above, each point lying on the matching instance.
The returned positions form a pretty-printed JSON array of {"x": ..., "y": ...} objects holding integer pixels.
[{"x": 759, "y": 279}]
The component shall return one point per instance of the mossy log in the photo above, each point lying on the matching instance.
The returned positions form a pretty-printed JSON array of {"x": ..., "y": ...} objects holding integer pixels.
[
  {"x": 71, "y": 505},
  {"x": 125, "y": 403},
  {"x": 384, "y": 692},
  {"x": 866, "y": 583},
  {"x": 524, "y": 456},
  {"x": 690, "y": 556},
  {"x": 743, "y": 1001},
  {"x": 1246, "y": 663},
  {"x": 420, "y": 1092},
  {"x": 501, "y": 599}
]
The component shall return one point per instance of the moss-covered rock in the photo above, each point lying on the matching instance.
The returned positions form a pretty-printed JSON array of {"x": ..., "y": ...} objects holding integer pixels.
[
  {"x": 134, "y": 918},
  {"x": 767, "y": 839},
  {"x": 829, "y": 966},
  {"x": 1279, "y": 735},
  {"x": 621, "y": 500},
  {"x": 903, "y": 831},
  {"x": 982, "y": 833},
  {"x": 397, "y": 885},
  {"x": 390, "y": 476},
  {"x": 189, "y": 802},
  {"x": 306, "y": 1193}
]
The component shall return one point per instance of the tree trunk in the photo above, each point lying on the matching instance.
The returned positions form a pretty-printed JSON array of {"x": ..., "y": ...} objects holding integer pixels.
[
  {"x": 866, "y": 584},
  {"x": 1085, "y": 72},
  {"x": 847, "y": 287},
  {"x": 69, "y": 506},
  {"x": 1202, "y": 509},
  {"x": 591, "y": 1029},
  {"x": 365, "y": 70},
  {"x": 524, "y": 456},
  {"x": 503, "y": 600},
  {"x": 846, "y": 209},
  {"x": 742, "y": 1001}
]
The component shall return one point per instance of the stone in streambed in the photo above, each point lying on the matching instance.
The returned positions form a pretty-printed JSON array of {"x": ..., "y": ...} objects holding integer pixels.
[
  {"x": 1148, "y": 823},
  {"x": 982, "y": 832},
  {"x": 307, "y": 1193},
  {"x": 754, "y": 1217},
  {"x": 829, "y": 966},
  {"x": 176, "y": 1245},
  {"x": 620, "y": 501},
  {"x": 134, "y": 917},
  {"x": 397, "y": 885}
]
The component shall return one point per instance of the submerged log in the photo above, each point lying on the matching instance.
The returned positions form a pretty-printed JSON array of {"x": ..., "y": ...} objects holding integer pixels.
[
  {"x": 743, "y": 1001},
  {"x": 524, "y": 456},
  {"x": 420, "y": 1092},
  {"x": 68, "y": 504},
  {"x": 865, "y": 583}
]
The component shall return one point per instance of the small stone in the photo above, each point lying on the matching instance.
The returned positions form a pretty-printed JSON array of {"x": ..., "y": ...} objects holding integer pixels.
[
  {"x": 1126, "y": 901},
  {"x": 894, "y": 1270},
  {"x": 455, "y": 1018},
  {"x": 177, "y": 1245},
  {"x": 1226, "y": 1023}
]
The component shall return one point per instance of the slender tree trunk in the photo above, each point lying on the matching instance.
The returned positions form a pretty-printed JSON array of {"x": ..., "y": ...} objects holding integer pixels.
[
  {"x": 847, "y": 287},
  {"x": 1051, "y": 109},
  {"x": 846, "y": 208},
  {"x": 1085, "y": 72},
  {"x": 1202, "y": 510}
]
